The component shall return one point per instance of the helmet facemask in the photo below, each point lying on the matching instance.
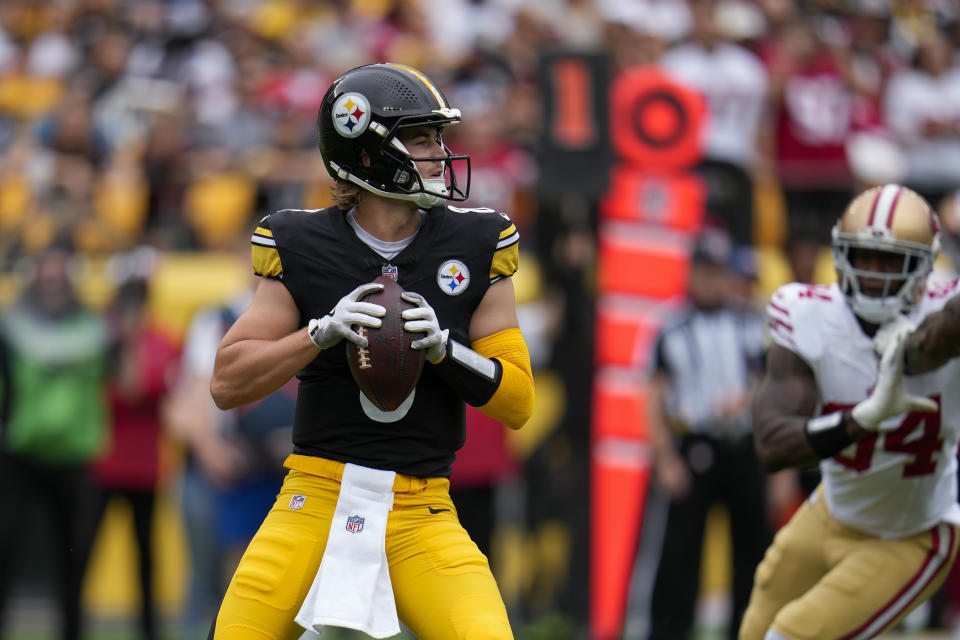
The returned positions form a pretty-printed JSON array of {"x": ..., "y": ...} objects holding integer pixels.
[
  {"x": 900, "y": 289},
  {"x": 898, "y": 235},
  {"x": 410, "y": 182},
  {"x": 392, "y": 165}
]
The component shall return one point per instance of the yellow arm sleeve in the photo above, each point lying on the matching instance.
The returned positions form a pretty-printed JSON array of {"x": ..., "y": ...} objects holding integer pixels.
[{"x": 512, "y": 402}]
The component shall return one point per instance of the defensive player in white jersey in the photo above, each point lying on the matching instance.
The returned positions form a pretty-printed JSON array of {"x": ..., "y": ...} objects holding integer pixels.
[{"x": 850, "y": 383}]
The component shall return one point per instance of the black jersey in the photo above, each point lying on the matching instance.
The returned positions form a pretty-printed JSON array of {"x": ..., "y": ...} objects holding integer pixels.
[{"x": 455, "y": 257}]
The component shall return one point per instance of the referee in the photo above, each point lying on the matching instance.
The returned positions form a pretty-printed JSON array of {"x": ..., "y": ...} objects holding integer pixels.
[{"x": 704, "y": 365}]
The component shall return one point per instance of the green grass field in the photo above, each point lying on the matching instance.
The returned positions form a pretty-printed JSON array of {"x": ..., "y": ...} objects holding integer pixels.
[{"x": 40, "y": 625}]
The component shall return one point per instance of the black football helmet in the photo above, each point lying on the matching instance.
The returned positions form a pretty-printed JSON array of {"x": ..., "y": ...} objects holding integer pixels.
[{"x": 364, "y": 110}]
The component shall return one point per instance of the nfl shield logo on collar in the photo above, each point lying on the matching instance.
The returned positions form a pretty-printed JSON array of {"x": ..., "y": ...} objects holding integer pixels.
[
  {"x": 354, "y": 524},
  {"x": 390, "y": 271},
  {"x": 296, "y": 502}
]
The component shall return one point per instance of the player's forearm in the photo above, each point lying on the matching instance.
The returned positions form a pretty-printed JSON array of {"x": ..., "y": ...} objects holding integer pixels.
[
  {"x": 509, "y": 398},
  {"x": 249, "y": 370},
  {"x": 495, "y": 376},
  {"x": 512, "y": 402},
  {"x": 935, "y": 341},
  {"x": 658, "y": 420},
  {"x": 788, "y": 442},
  {"x": 780, "y": 443}
]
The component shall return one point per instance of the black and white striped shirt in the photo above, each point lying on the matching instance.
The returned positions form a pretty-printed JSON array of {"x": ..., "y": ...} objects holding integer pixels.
[{"x": 710, "y": 358}]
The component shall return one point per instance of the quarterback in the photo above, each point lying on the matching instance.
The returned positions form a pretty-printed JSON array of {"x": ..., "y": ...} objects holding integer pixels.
[
  {"x": 363, "y": 533},
  {"x": 862, "y": 376}
]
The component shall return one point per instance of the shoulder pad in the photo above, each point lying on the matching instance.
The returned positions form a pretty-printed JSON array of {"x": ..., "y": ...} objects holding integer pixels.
[
  {"x": 506, "y": 253},
  {"x": 506, "y": 256},
  {"x": 792, "y": 317},
  {"x": 263, "y": 251},
  {"x": 938, "y": 292}
]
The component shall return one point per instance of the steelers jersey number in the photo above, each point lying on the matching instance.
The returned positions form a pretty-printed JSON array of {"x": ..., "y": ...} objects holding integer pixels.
[{"x": 923, "y": 447}]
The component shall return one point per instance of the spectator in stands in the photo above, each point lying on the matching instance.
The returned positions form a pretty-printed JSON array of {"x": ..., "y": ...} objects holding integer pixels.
[
  {"x": 922, "y": 107},
  {"x": 949, "y": 209},
  {"x": 813, "y": 117},
  {"x": 802, "y": 252},
  {"x": 57, "y": 350},
  {"x": 734, "y": 82},
  {"x": 233, "y": 462},
  {"x": 500, "y": 170},
  {"x": 143, "y": 367},
  {"x": 705, "y": 363},
  {"x": 479, "y": 469}
]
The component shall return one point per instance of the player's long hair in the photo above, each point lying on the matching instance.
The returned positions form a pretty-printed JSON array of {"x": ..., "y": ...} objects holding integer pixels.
[{"x": 345, "y": 194}]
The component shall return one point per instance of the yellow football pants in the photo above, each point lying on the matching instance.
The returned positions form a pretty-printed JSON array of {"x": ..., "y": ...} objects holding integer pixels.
[
  {"x": 821, "y": 580},
  {"x": 442, "y": 584}
]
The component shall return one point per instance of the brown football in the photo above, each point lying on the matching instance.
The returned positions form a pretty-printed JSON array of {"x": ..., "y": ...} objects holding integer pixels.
[{"x": 387, "y": 369}]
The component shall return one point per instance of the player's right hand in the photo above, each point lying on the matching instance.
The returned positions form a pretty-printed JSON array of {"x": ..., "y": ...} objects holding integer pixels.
[
  {"x": 889, "y": 397},
  {"x": 327, "y": 331},
  {"x": 423, "y": 319}
]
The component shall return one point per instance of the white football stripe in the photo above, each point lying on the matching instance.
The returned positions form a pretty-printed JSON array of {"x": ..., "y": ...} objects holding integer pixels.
[
  {"x": 509, "y": 240},
  {"x": 266, "y": 242},
  {"x": 883, "y": 213},
  {"x": 940, "y": 557}
]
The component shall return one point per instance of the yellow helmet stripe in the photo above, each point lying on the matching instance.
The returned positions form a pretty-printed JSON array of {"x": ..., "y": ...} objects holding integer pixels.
[{"x": 424, "y": 79}]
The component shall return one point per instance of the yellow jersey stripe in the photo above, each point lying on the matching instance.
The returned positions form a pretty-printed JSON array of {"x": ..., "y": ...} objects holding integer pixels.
[
  {"x": 425, "y": 80},
  {"x": 266, "y": 261},
  {"x": 505, "y": 261},
  {"x": 263, "y": 232},
  {"x": 508, "y": 231}
]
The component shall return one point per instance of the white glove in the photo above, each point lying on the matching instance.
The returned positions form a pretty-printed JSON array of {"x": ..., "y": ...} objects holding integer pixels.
[
  {"x": 885, "y": 333},
  {"x": 423, "y": 319},
  {"x": 332, "y": 328},
  {"x": 889, "y": 397}
]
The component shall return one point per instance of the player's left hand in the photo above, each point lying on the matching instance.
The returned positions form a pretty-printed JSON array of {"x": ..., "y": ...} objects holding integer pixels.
[
  {"x": 889, "y": 398},
  {"x": 423, "y": 319}
]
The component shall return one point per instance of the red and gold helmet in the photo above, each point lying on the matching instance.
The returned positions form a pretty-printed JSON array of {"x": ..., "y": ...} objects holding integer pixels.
[{"x": 894, "y": 220}]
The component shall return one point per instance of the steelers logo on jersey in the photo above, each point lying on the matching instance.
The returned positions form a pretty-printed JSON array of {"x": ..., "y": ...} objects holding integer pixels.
[
  {"x": 453, "y": 277},
  {"x": 351, "y": 114}
]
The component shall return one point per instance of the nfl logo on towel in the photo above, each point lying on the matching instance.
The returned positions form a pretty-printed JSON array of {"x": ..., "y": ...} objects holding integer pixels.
[{"x": 354, "y": 524}]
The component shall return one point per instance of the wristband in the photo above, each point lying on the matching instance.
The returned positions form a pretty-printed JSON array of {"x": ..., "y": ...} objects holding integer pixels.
[
  {"x": 313, "y": 332},
  {"x": 827, "y": 434},
  {"x": 473, "y": 376}
]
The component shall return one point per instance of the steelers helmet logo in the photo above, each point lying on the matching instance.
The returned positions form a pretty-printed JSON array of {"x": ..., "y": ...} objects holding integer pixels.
[
  {"x": 453, "y": 277},
  {"x": 351, "y": 114}
]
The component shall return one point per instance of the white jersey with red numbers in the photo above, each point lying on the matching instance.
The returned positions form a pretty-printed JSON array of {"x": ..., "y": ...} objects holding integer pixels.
[{"x": 903, "y": 480}]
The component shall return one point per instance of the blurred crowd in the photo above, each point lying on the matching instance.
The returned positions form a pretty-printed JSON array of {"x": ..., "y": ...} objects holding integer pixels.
[{"x": 136, "y": 130}]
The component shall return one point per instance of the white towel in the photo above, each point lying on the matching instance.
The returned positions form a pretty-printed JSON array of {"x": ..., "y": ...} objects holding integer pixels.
[{"x": 352, "y": 587}]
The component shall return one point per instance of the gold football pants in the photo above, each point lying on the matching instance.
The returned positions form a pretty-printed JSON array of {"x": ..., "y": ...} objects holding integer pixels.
[
  {"x": 442, "y": 584},
  {"x": 821, "y": 580}
]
